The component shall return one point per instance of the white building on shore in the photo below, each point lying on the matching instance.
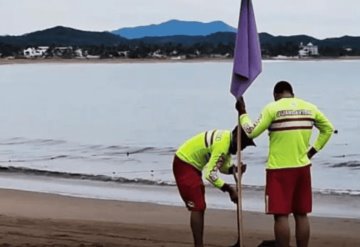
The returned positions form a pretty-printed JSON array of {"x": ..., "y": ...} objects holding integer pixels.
[
  {"x": 33, "y": 52},
  {"x": 308, "y": 50}
]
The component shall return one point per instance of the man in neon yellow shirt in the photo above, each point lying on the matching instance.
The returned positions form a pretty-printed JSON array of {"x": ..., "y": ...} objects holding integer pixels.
[
  {"x": 289, "y": 121},
  {"x": 208, "y": 152}
]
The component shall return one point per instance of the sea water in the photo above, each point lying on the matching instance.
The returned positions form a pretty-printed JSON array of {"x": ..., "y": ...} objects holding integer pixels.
[{"x": 105, "y": 130}]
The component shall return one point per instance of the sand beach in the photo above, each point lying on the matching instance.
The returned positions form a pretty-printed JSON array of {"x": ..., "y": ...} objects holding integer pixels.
[{"x": 39, "y": 219}]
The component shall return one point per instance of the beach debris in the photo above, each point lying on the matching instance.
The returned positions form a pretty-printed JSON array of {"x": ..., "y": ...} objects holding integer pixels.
[
  {"x": 267, "y": 243},
  {"x": 237, "y": 244}
]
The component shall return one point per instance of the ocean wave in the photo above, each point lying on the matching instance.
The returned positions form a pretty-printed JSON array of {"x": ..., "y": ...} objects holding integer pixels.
[
  {"x": 44, "y": 158},
  {"x": 345, "y": 155},
  {"x": 154, "y": 150},
  {"x": 341, "y": 192},
  {"x": 121, "y": 148},
  {"x": 117, "y": 179},
  {"x": 354, "y": 164},
  {"x": 25, "y": 141},
  {"x": 333, "y": 192},
  {"x": 80, "y": 176},
  {"x": 37, "y": 150}
]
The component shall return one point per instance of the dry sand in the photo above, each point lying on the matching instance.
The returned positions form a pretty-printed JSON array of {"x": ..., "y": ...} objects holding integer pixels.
[{"x": 38, "y": 219}]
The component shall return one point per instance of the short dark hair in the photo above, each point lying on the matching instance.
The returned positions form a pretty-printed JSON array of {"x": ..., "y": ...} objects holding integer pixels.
[
  {"x": 283, "y": 86},
  {"x": 245, "y": 140}
]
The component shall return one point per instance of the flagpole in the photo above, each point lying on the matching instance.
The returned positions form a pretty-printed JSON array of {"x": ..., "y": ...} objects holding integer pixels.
[
  {"x": 239, "y": 188},
  {"x": 246, "y": 67}
]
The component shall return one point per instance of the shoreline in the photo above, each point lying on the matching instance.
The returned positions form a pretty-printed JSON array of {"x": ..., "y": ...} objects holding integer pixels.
[
  {"x": 40, "y": 219},
  {"x": 325, "y": 205},
  {"x": 7, "y": 61}
]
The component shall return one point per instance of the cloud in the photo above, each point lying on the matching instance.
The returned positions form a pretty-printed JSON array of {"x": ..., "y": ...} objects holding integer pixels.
[{"x": 320, "y": 18}]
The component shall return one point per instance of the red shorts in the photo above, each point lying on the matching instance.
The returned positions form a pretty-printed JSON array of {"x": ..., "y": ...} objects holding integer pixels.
[
  {"x": 288, "y": 191},
  {"x": 189, "y": 182}
]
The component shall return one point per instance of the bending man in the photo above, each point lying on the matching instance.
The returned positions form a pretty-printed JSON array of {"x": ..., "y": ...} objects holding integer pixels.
[{"x": 208, "y": 152}]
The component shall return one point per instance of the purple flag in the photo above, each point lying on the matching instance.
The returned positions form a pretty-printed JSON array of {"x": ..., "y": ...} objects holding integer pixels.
[{"x": 247, "y": 55}]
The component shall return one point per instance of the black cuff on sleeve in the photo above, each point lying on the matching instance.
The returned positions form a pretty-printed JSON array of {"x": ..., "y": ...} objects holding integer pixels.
[
  {"x": 311, "y": 152},
  {"x": 225, "y": 187},
  {"x": 232, "y": 169}
]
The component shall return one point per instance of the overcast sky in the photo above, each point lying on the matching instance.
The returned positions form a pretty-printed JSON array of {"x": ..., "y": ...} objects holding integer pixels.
[{"x": 319, "y": 18}]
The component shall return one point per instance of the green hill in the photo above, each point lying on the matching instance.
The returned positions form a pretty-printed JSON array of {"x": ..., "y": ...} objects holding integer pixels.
[{"x": 63, "y": 36}]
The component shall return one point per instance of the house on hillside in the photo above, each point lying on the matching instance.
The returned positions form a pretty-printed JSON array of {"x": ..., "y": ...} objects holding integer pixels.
[
  {"x": 157, "y": 54},
  {"x": 308, "y": 50},
  {"x": 123, "y": 54},
  {"x": 63, "y": 51},
  {"x": 79, "y": 53},
  {"x": 33, "y": 52}
]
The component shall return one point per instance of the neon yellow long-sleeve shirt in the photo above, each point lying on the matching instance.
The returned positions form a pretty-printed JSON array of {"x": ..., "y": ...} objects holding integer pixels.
[
  {"x": 208, "y": 152},
  {"x": 289, "y": 122}
]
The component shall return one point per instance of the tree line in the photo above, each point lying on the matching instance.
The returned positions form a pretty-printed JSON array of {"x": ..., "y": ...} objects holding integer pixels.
[{"x": 204, "y": 49}]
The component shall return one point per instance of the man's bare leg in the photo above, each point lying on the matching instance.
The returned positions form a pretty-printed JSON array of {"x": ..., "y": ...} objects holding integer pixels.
[
  {"x": 282, "y": 230},
  {"x": 197, "y": 227},
  {"x": 302, "y": 230}
]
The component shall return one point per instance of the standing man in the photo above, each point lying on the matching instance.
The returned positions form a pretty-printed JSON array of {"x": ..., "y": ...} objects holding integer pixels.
[
  {"x": 289, "y": 121},
  {"x": 207, "y": 152}
]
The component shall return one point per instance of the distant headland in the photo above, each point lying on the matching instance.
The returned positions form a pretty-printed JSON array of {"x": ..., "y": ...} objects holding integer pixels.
[{"x": 174, "y": 39}]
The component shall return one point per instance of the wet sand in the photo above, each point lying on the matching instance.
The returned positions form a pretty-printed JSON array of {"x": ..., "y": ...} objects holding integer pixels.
[{"x": 39, "y": 219}]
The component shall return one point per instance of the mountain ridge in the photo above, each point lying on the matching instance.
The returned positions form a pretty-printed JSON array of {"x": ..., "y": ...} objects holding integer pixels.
[
  {"x": 219, "y": 42},
  {"x": 174, "y": 27},
  {"x": 60, "y": 35}
]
